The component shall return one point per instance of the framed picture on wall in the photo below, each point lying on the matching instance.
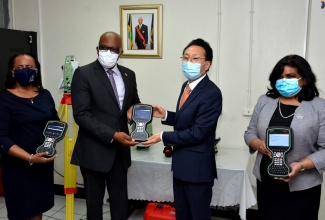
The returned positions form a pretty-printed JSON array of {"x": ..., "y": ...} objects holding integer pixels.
[{"x": 141, "y": 31}]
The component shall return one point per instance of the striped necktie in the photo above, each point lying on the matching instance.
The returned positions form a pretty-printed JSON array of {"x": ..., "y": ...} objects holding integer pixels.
[{"x": 111, "y": 79}]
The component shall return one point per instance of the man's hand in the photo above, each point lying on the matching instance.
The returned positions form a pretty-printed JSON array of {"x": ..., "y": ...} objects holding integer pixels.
[
  {"x": 129, "y": 113},
  {"x": 124, "y": 139},
  {"x": 158, "y": 111},
  {"x": 152, "y": 140}
]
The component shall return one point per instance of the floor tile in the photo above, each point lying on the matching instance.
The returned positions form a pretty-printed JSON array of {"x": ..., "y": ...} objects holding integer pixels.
[
  {"x": 79, "y": 207},
  {"x": 58, "y": 212},
  {"x": 49, "y": 213},
  {"x": 59, "y": 203},
  {"x": 3, "y": 212},
  {"x": 61, "y": 215}
]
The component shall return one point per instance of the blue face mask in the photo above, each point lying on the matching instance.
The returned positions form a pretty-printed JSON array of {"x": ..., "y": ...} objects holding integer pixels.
[
  {"x": 288, "y": 87},
  {"x": 25, "y": 76},
  {"x": 191, "y": 70}
]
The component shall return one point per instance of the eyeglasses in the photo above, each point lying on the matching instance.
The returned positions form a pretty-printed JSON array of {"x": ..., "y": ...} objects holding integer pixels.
[
  {"x": 193, "y": 59},
  {"x": 103, "y": 48}
]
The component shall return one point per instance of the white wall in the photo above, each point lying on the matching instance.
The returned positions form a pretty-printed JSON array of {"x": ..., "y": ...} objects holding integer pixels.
[{"x": 248, "y": 38}]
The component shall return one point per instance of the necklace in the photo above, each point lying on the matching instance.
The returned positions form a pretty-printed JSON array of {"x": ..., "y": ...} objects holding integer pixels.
[
  {"x": 31, "y": 100},
  {"x": 281, "y": 112},
  {"x": 28, "y": 94}
]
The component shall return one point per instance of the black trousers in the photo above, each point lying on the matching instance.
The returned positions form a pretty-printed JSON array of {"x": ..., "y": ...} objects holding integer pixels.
[
  {"x": 192, "y": 200},
  {"x": 116, "y": 182},
  {"x": 281, "y": 204}
]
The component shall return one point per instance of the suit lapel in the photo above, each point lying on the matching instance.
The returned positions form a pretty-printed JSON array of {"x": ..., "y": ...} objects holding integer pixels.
[
  {"x": 180, "y": 96},
  {"x": 197, "y": 90}
]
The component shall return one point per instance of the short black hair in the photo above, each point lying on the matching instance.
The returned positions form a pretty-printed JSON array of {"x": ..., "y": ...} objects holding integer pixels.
[
  {"x": 308, "y": 91},
  {"x": 11, "y": 81},
  {"x": 205, "y": 45}
]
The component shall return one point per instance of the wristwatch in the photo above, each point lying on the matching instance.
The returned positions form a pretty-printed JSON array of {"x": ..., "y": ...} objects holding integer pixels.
[{"x": 302, "y": 165}]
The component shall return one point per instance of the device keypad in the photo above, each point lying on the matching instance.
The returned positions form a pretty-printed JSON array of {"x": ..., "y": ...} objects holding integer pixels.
[
  {"x": 48, "y": 146},
  {"x": 140, "y": 134},
  {"x": 278, "y": 166}
]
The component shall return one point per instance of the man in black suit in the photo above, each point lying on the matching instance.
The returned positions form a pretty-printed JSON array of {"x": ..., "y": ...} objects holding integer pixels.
[
  {"x": 141, "y": 34},
  {"x": 195, "y": 120},
  {"x": 102, "y": 93}
]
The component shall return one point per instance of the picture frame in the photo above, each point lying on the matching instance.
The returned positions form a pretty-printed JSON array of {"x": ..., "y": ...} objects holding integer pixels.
[{"x": 145, "y": 40}]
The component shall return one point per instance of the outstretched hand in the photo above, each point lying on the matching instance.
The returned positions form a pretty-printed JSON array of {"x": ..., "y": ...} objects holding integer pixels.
[
  {"x": 152, "y": 140},
  {"x": 158, "y": 111},
  {"x": 124, "y": 139}
]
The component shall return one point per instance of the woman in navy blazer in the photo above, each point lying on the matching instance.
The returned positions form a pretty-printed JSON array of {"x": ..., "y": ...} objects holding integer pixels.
[
  {"x": 193, "y": 165},
  {"x": 291, "y": 101}
]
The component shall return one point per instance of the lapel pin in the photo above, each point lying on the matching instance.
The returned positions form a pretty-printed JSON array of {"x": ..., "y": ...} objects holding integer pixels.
[
  {"x": 125, "y": 74},
  {"x": 299, "y": 116}
]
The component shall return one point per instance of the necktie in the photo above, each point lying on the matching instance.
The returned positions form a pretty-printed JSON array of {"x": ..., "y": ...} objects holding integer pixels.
[
  {"x": 185, "y": 95},
  {"x": 111, "y": 79}
]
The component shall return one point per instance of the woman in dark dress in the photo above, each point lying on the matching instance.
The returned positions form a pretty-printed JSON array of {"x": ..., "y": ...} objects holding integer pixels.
[{"x": 25, "y": 109}]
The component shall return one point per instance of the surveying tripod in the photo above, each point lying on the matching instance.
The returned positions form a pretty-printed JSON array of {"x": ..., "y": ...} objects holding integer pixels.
[{"x": 70, "y": 172}]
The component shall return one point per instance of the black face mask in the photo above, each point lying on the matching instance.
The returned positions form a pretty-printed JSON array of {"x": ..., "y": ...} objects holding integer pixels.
[{"x": 25, "y": 76}]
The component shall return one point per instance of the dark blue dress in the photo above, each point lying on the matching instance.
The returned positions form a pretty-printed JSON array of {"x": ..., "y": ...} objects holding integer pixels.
[{"x": 28, "y": 189}]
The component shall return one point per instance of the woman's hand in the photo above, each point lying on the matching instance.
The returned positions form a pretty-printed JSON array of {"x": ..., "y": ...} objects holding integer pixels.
[
  {"x": 41, "y": 158},
  {"x": 16, "y": 151},
  {"x": 259, "y": 145},
  {"x": 295, "y": 169}
]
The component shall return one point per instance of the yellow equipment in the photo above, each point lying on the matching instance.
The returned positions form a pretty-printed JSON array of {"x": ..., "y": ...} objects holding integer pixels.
[{"x": 70, "y": 172}]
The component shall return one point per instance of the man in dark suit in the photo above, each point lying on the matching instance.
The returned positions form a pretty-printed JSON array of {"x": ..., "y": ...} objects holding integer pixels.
[
  {"x": 141, "y": 34},
  {"x": 195, "y": 120},
  {"x": 102, "y": 92}
]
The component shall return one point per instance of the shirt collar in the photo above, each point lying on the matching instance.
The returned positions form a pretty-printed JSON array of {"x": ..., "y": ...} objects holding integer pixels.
[
  {"x": 194, "y": 83},
  {"x": 115, "y": 70}
]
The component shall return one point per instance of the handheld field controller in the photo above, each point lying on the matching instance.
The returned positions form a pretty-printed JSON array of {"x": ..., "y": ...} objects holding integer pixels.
[
  {"x": 279, "y": 140},
  {"x": 54, "y": 132},
  {"x": 141, "y": 116}
]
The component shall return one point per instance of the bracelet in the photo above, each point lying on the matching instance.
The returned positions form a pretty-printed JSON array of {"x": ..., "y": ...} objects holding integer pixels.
[
  {"x": 302, "y": 165},
  {"x": 30, "y": 159}
]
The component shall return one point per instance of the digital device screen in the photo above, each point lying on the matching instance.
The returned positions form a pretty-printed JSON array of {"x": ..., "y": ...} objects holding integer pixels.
[
  {"x": 279, "y": 140},
  {"x": 55, "y": 129},
  {"x": 142, "y": 114}
]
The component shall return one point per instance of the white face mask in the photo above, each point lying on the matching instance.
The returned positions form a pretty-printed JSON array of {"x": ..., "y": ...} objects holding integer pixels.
[{"x": 107, "y": 59}]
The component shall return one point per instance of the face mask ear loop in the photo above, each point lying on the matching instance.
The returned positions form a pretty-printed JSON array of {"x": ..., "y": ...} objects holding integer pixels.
[
  {"x": 303, "y": 84},
  {"x": 204, "y": 70}
]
